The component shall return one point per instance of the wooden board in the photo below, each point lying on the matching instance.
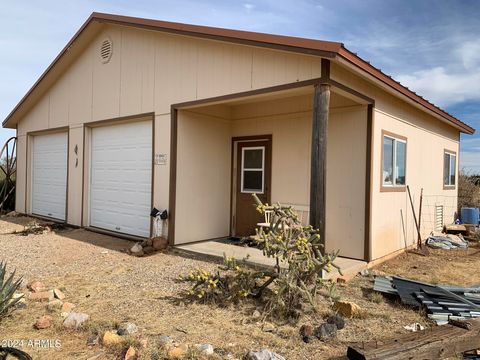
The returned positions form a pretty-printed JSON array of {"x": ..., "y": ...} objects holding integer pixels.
[{"x": 435, "y": 343}]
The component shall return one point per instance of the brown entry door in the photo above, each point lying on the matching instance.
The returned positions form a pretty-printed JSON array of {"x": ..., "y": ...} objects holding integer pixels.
[{"x": 254, "y": 164}]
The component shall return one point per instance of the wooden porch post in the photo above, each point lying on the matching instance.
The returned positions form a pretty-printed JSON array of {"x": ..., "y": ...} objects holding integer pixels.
[{"x": 318, "y": 174}]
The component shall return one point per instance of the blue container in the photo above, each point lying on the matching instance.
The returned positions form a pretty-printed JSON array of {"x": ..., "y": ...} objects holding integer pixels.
[{"x": 470, "y": 215}]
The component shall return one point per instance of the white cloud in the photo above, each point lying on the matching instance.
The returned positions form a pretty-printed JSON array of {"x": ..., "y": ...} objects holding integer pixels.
[{"x": 444, "y": 87}]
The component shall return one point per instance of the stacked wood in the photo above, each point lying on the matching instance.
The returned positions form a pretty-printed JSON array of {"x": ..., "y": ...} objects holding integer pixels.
[{"x": 435, "y": 343}]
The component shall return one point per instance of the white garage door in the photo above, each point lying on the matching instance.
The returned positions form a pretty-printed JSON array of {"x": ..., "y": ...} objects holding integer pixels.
[
  {"x": 49, "y": 175},
  {"x": 121, "y": 175}
]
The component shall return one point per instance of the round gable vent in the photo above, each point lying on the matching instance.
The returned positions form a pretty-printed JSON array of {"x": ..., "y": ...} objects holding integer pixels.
[{"x": 106, "y": 50}]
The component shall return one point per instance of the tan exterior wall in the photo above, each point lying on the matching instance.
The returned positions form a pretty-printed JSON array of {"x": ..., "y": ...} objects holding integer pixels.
[
  {"x": 427, "y": 137},
  {"x": 203, "y": 172},
  {"x": 206, "y": 133},
  {"x": 147, "y": 72}
]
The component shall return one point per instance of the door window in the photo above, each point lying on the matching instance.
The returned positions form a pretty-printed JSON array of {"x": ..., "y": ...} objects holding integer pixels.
[{"x": 253, "y": 170}]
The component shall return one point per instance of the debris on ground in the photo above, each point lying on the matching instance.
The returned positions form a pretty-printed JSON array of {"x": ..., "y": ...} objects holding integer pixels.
[
  {"x": 205, "y": 349},
  {"x": 148, "y": 246},
  {"x": 443, "y": 303},
  {"x": 347, "y": 309},
  {"x": 43, "y": 322},
  {"x": 75, "y": 320},
  {"x": 127, "y": 328},
  {"x": 131, "y": 354},
  {"x": 414, "y": 327},
  {"x": 263, "y": 354},
  {"x": 111, "y": 338},
  {"x": 455, "y": 229},
  {"x": 438, "y": 343},
  {"x": 446, "y": 241},
  {"x": 35, "y": 228}
]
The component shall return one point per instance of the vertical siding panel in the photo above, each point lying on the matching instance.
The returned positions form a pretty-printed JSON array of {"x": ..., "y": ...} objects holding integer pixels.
[
  {"x": 106, "y": 77},
  {"x": 80, "y": 88}
]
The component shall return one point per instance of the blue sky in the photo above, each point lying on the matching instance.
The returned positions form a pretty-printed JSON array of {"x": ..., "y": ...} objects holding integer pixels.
[{"x": 433, "y": 47}]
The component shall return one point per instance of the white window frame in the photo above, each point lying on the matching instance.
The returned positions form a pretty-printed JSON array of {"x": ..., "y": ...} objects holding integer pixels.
[
  {"x": 450, "y": 154},
  {"x": 394, "y": 167},
  {"x": 243, "y": 169}
]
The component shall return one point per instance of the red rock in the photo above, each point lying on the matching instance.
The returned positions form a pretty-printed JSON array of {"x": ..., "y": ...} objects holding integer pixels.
[
  {"x": 43, "y": 322},
  {"x": 37, "y": 286},
  {"x": 41, "y": 296},
  {"x": 159, "y": 243},
  {"x": 58, "y": 294},
  {"x": 131, "y": 354}
]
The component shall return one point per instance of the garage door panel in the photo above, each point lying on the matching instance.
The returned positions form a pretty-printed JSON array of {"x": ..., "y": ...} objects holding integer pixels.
[
  {"x": 121, "y": 169},
  {"x": 49, "y": 175}
]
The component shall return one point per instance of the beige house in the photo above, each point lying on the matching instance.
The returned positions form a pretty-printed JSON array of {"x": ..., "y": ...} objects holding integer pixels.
[{"x": 135, "y": 114}]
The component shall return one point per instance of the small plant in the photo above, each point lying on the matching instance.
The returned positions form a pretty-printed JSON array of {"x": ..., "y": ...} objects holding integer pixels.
[
  {"x": 288, "y": 289},
  {"x": 375, "y": 297},
  {"x": 8, "y": 287}
]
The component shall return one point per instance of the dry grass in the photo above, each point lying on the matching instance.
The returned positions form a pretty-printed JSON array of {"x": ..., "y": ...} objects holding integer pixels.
[{"x": 113, "y": 287}]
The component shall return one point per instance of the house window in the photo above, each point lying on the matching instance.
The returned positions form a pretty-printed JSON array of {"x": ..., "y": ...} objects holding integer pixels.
[
  {"x": 449, "y": 169},
  {"x": 253, "y": 169},
  {"x": 394, "y": 162}
]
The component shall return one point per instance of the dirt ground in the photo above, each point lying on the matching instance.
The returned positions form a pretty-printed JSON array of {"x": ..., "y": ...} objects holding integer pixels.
[{"x": 103, "y": 281}]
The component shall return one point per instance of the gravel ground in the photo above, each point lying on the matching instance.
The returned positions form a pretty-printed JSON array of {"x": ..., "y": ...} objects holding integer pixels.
[{"x": 111, "y": 286}]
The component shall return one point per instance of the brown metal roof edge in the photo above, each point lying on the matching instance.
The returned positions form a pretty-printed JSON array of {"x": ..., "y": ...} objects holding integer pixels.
[
  {"x": 288, "y": 43},
  {"x": 295, "y": 43},
  {"x": 388, "y": 80}
]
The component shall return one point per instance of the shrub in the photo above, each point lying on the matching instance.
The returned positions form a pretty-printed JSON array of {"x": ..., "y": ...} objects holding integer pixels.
[
  {"x": 468, "y": 190},
  {"x": 291, "y": 286},
  {"x": 8, "y": 287}
]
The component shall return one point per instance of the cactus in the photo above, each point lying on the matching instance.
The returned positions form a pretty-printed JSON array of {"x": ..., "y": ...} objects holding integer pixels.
[{"x": 8, "y": 287}]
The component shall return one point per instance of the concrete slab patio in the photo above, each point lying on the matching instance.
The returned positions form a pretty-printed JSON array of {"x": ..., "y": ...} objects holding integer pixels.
[{"x": 253, "y": 256}]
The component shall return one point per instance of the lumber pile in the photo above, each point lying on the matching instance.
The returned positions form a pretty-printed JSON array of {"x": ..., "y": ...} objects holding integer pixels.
[{"x": 436, "y": 343}]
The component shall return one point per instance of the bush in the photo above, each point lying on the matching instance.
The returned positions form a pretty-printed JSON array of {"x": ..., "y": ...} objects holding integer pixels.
[
  {"x": 291, "y": 286},
  {"x": 468, "y": 190},
  {"x": 8, "y": 287}
]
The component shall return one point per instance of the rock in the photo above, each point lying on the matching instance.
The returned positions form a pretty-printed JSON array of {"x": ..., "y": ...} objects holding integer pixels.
[
  {"x": 111, "y": 338},
  {"x": 165, "y": 340},
  {"x": 148, "y": 250},
  {"x": 365, "y": 272},
  {"x": 306, "y": 332},
  {"x": 54, "y": 304},
  {"x": 131, "y": 354},
  {"x": 127, "y": 328},
  {"x": 205, "y": 349},
  {"x": 159, "y": 243},
  {"x": 12, "y": 214},
  {"x": 263, "y": 354},
  {"x": 347, "y": 309},
  {"x": 337, "y": 320},
  {"x": 257, "y": 314},
  {"x": 41, "y": 296},
  {"x": 92, "y": 340},
  {"x": 137, "y": 250},
  {"x": 178, "y": 352},
  {"x": 326, "y": 331},
  {"x": 58, "y": 294},
  {"x": 67, "y": 307},
  {"x": 36, "y": 286},
  {"x": 75, "y": 320},
  {"x": 43, "y": 322},
  {"x": 268, "y": 327},
  {"x": 147, "y": 242}
]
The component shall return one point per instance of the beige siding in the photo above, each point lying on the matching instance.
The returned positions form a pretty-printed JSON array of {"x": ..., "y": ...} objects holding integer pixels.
[
  {"x": 427, "y": 139},
  {"x": 75, "y": 175},
  {"x": 346, "y": 173},
  {"x": 148, "y": 72},
  {"x": 204, "y": 131},
  {"x": 203, "y": 188}
]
